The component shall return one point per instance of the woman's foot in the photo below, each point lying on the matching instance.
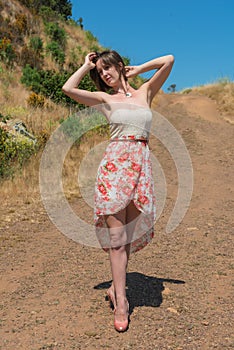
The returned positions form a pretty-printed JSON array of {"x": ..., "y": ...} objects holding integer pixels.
[
  {"x": 111, "y": 297},
  {"x": 121, "y": 316}
]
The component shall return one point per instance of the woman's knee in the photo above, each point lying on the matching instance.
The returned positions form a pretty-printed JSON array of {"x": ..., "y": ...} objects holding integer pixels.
[
  {"x": 117, "y": 229},
  {"x": 118, "y": 236}
]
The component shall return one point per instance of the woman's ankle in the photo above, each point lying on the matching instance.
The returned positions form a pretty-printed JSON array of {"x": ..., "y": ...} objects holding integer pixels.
[{"x": 121, "y": 301}]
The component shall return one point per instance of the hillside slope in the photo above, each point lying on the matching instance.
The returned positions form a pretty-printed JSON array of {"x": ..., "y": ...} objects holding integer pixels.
[
  {"x": 179, "y": 287},
  {"x": 52, "y": 293}
]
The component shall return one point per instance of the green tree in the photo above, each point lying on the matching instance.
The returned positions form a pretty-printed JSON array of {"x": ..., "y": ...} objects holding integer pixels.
[
  {"x": 172, "y": 88},
  {"x": 80, "y": 22},
  {"x": 47, "y": 13},
  {"x": 61, "y": 7}
]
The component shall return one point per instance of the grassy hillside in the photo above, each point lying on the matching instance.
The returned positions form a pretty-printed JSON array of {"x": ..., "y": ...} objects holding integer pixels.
[
  {"x": 39, "y": 49},
  {"x": 222, "y": 92},
  {"x": 55, "y": 47}
]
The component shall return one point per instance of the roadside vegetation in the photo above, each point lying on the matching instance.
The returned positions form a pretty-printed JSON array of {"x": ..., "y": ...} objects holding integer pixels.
[{"x": 40, "y": 47}]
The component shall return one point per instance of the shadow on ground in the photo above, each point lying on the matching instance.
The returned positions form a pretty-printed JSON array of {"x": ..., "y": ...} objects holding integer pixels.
[{"x": 142, "y": 290}]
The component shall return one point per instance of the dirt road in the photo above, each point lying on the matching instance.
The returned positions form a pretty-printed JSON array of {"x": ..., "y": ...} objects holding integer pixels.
[{"x": 180, "y": 286}]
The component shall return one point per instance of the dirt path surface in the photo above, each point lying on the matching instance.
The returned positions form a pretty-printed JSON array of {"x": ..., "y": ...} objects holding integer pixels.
[{"x": 180, "y": 286}]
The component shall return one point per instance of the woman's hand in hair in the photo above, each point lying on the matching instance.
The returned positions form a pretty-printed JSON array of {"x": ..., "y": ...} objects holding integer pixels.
[
  {"x": 90, "y": 60},
  {"x": 131, "y": 71}
]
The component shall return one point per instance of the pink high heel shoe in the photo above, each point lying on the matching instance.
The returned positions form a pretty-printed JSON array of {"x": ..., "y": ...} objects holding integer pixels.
[{"x": 121, "y": 326}]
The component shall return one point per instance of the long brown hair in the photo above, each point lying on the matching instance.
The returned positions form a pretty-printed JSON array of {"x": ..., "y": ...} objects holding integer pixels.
[{"x": 110, "y": 58}]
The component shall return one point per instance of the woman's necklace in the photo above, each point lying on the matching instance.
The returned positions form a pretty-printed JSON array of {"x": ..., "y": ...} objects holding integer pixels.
[{"x": 127, "y": 93}]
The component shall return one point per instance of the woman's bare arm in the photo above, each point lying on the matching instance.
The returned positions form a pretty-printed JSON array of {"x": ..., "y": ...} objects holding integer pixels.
[
  {"x": 163, "y": 66},
  {"x": 71, "y": 87}
]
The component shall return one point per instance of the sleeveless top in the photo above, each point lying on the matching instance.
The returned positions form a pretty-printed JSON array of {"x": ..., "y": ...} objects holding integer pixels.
[{"x": 130, "y": 122}]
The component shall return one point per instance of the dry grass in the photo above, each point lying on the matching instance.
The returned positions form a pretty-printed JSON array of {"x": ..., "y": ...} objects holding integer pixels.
[
  {"x": 77, "y": 155},
  {"x": 40, "y": 121},
  {"x": 24, "y": 187},
  {"x": 43, "y": 121},
  {"x": 76, "y": 37},
  {"x": 13, "y": 99},
  {"x": 12, "y": 8},
  {"x": 222, "y": 93}
]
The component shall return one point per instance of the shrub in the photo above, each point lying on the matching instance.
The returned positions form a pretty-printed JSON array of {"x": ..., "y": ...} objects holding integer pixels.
[
  {"x": 77, "y": 126},
  {"x": 57, "y": 54},
  {"x": 36, "y": 44},
  {"x": 31, "y": 78},
  {"x": 75, "y": 56},
  {"x": 56, "y": 33},
  {"x": 14, "y": 152},
  {"x": 35, "y": 100},
  {"x": 21, "y": 23},
  {"x": 4, "y": 118},
  {"x": 47, "y": 13},
  {"x": 3, "y": 165},
  {"x": 49, "y": 84},
  {"x": 27, "y": 56},
  {"x": 32, "y": 54},
  {"x": 224, "y": 81},
  {"x": 7, "y": 51},
  {"x": 6, "y": 31},
  {"x": 187, "y": 91}
]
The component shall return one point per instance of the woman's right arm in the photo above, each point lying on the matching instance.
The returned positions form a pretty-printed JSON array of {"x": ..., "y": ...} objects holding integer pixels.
[{"x": 70, "y": 88}]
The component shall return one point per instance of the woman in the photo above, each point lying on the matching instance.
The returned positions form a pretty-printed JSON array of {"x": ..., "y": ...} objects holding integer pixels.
[{"x": 124, "y": 199}]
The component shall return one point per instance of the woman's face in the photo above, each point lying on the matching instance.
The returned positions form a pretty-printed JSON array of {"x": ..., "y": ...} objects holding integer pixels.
[{"x": 108, "y": 73}]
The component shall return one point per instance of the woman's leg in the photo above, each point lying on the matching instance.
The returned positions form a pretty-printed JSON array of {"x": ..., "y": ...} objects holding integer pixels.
[
  {"x": 118, "y": 259},
  {"x": 131, "y": 219},
  {"x": 120, "y": 251}
]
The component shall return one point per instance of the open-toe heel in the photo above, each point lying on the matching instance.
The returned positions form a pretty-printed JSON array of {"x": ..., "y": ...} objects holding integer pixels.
[{"x": 121, "y": 326}]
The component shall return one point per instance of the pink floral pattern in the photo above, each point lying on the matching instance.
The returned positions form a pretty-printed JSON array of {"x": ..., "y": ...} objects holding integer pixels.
[{"x": 125, "y": 174}]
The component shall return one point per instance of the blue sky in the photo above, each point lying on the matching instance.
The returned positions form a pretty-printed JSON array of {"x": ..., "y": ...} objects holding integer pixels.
[{"x": 200, "y": 34}]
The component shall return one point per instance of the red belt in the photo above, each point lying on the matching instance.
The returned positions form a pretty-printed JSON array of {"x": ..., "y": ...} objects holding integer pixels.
[{"x": 131, "y": 140}]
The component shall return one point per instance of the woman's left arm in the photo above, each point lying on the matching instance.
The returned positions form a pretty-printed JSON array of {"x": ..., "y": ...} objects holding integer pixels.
[{"x": 163, "y": 66}]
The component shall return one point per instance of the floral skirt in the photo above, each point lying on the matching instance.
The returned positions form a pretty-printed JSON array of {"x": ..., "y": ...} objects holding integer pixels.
[{"x": 124, "y": 175}]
